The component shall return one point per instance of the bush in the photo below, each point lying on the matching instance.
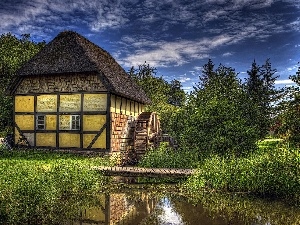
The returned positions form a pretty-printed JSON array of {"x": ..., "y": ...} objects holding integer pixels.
[
  {"x": 46, "y": 188},
  {"x": 166, "y": 157},
  {"x": 273, "y": 172}
]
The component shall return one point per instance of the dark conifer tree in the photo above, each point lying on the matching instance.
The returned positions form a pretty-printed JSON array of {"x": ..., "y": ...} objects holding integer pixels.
[
  {"x": 207, "y": 74},
  {"x": 176, "y": 95},
  {"x": 260, "y": 87}
]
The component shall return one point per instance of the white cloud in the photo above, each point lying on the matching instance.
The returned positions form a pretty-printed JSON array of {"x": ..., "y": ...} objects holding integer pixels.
[
  {"x": 287, "y": 82},
  {"x": 295, "y": 3},
  {"x": 295, "y": 24},
  {"x": 198, "y": 68},
  {"x": 179, "y": 52},
  {"x": 292, "y": 68},
  {"x": 157, "y": 45},
  {"x": 253, "y": 3},
  {"x": 99, "y": 15},
  {"x": 227, "y": 54},
  {"x": 184, "y": 79},
  {"x": 174, "y": 53},
  {"x": 110, "y": 14}
]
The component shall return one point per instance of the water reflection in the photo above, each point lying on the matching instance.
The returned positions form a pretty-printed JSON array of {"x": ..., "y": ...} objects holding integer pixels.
[
  {"x": 148, "y": 205},
  {"x": 119, "y": 208},
  {"x": 145, "y": 208}
]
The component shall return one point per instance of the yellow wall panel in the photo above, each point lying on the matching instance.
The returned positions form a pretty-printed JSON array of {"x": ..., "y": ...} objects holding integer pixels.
[
  {"x": 113, "y": 103},
  {"x": 142, "y": 108},
  {"x": 93, "y": 122},
  {"x": 95, "y": 102},
  {"x": 136, "y": 109},
  {"x": 29, "y": 137},
  {"x": 46, "y": 139},
  {"x": 24, "y": 103},
  {"x": 64, "y": 122},
  {"x": 118, "y": 104},
  {"x": 132, "y": 108},
  {"x": 70, "y": 103},
  {"x": 46, "y": 103},
  {"x": 127, "y": 108},
  {"x": 50, "y": 122},
  {"x": 25, "y": 122},
  {"x": 17, "y": 136},
  {"x": 100, "y": 143},
  {"x": 69, "y": 140},
  {"x": 123, "y": 105}
]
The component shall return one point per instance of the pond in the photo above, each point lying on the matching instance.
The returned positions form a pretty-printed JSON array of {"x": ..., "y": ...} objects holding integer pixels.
[
  {"x": 162, "y": 206},
  {"x": 142, "y": 204}
]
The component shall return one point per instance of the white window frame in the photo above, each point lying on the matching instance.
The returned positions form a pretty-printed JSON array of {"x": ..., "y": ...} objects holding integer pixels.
[
  {"x": 75, "y": 122},
  {"x": 40, "y": 121}
]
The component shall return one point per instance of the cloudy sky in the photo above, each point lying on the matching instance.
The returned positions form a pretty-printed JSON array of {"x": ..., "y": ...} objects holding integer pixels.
[{"x": 175, "y": 36}]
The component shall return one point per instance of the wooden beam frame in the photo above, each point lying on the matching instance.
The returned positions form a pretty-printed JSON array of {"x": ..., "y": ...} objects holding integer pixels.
[{"x": 97, "y": 136}]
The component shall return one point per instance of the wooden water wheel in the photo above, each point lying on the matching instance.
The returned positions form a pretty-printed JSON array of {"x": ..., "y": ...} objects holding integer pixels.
[{"x": 147, "y": 128}]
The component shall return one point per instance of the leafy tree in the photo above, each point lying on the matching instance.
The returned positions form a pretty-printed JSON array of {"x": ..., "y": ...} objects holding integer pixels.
[
  {"x": 288, "y": 120},
  {"x": 165, "y": 97},
  {"x": 260, "y": 87},
  {"x": 216, "y": 118},
  {"x": 14, "y": 53},
  {"x": 156, "y": 88},
  {"x": 207, "y": 73},
  {"x": 176, "y": 95}
]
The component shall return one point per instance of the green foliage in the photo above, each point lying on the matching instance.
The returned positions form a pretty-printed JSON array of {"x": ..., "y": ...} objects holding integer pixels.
[
  {"x": 166, "y": 98},
  {"x": 260, "y": 87},
  {"x": 216, "y": 117},
  {"x": 14, "y": 53},
  {"x": 6, "y": 106},
  {"x": 166, "y": 157},
  {"x": 177, "y": 96},
  {"x": 39, "y": 187},
  {"x": 269, "y": 172},
  {"x": 288, "y": 123}
]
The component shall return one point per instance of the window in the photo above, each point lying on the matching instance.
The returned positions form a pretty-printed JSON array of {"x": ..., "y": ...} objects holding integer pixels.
[
  {"x": 40, "y": 122},
  {"x": 75, "y": 122},
  {"x": 69, "y": 122}
]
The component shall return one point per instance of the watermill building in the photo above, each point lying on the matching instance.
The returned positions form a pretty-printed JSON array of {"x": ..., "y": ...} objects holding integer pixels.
[{"x": 74, "y": 95}]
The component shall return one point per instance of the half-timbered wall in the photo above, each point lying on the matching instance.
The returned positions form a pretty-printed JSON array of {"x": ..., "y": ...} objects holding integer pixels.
[
  {"x": 47, "y": 116},
  {"x": 72, "y": 111},
  {"x": 62, "y": 120},
  {"x": 123, "y": 114}
]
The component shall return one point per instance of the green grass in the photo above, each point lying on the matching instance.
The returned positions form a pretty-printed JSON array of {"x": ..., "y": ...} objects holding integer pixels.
[
  {"x": 40, "y": 187},
  {"x": 166, "y": 157},
  {"x": 275, "y": 173},
  {"x": 272, "y": 171}
]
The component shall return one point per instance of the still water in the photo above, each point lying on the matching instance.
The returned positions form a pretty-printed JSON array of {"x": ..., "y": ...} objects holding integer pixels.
[{"x": 133, "y": 206}]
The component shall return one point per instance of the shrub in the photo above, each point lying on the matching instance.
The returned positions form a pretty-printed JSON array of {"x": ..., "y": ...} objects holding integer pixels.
[
  {"x": 166, "y": 157},
  {"x": 41, "y": 187},
  {"x": 274, "y": 172}
]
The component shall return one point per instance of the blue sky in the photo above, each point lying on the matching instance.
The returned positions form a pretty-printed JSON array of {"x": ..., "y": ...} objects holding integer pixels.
[{"x": 175, "y": 36}]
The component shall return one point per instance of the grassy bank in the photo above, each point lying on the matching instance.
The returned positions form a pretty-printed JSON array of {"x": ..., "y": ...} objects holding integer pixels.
[
  {"x": 272, "y": 171},
  {"x": 36, "y": 187}
]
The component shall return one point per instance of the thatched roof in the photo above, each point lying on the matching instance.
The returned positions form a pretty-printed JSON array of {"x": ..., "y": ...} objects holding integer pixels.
[{"x": 69, "y": 52}]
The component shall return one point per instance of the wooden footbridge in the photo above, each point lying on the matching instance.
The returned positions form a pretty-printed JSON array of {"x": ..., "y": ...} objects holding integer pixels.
[{"x": 145, "y": 172}]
